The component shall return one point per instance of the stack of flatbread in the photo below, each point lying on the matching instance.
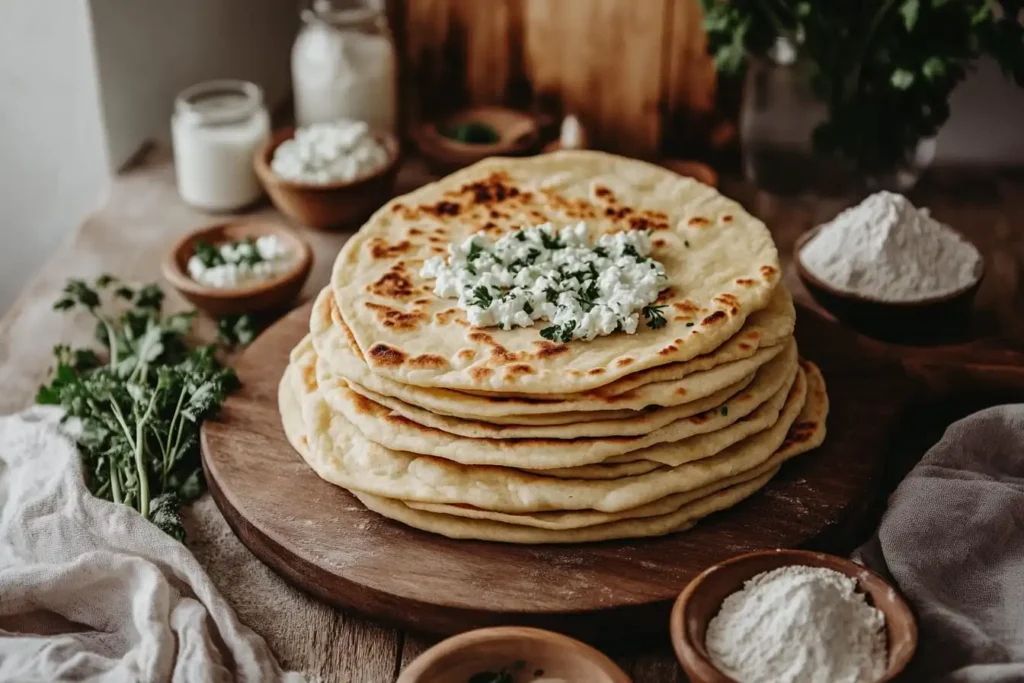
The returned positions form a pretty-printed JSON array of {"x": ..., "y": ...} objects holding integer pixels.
[{"x": 503, "y": 435}]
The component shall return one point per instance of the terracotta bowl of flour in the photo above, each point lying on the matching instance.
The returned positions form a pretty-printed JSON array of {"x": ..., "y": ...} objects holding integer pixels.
[
  {"x": 702, "y": 599},
  {"x": 935, "y": 320}
]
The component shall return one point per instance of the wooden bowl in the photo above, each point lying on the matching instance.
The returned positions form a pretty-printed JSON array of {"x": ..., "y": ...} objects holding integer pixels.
[
  {"x": 924, "y": 321},
  {"x": 274, "y": 294},
  {"x": 331, "y": 205},
  {"x": 519, "y": 135},
  {"x": 701, "y": 600},
  {"x": 529, "y": 652}
]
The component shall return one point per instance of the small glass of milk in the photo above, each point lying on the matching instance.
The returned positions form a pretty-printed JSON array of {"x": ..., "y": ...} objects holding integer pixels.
[{"x": 216, "y": 129}]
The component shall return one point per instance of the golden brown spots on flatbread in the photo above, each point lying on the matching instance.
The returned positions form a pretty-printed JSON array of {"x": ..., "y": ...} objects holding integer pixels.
[
  {"x": 309, "y": 376},
  {"x": 745, "y": 396},
  {"x": 393, "y": 284},
  {"x": 433, "y": 239},
  {"x": 303, "y": 440},
  {"x": 382, "y": 354},
  {"x": 466, "y": 354},
  {"x": 745, "y": 282},
  {"x": 605, "y": 193},
  {"x": 443, "y": 208},
  {"x": 550, "y": 349},
  {"x": 745, "y": 346},
  {"x": 668, "y": 350},
  {"x": 623, "y": 362},
  {"x": 658, "y": 244},
  {"x": 681, "y": 391},
  {"x": 502, "y": 356},
  {"x": 575, "y": 373},
  {"x": 429, "y": 360},
  {"x": 685, "y": 306},
  {"x": 800, "y": 432},
  {"x": 381, "y": 249},
  {"x": 481, "y": 337},
  {"x": 397, "y": 320},
  {"x": 514, "y": 371},
  {"x": 480, "y": 374},
  {"x": 421, "y": 302},
  {"x": 490, "y": 225},
  {"x": 714, "y": 318},
  {"x": 678, "y": 341},
  {"x": 729, "y": 300},
  {"x": 415, "y": 232},
  {"x": 753, "y": 334},
  {"x": 446, "y": 316},
  {"x": 437, "y": 250},
  {"x": 595, "y": 371},
  {"x": 698, "y": 222},
  {"x": 665, "y": 295},
  {"x": 683, "y": 318},
  {"x": 768, "y": 272},
  {"x": 727, "y": 218},
  {"x": 700, "y": 418}
]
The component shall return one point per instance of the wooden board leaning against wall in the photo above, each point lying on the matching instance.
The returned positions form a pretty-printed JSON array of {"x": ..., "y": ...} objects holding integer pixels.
[{"x": 635, "y": 72}]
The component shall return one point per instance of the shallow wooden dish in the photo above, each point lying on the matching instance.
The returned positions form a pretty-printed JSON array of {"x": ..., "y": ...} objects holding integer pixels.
[
  {"x": 332, "y": 205},
  {"x": 925, "y": 321},
  {"x": 274, "y": 294},
  {"x": 532, "y": 653},
  {"x": 519, "y": 135},
  {"x": 703, "y": 597}
]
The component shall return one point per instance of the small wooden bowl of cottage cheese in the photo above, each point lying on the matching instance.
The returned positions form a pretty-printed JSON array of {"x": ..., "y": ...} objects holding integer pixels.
[
  {"x": 329, "y": 176},
  {"x": 239, "y": 267},
  {"x": 805, "y": 616}
]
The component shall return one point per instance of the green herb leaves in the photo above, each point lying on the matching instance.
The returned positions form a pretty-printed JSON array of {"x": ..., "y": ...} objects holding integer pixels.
[
  {"x": 562, "y": 333},
  {"x": 654, "y": 317},
  {"x": 140, "y": 410}
]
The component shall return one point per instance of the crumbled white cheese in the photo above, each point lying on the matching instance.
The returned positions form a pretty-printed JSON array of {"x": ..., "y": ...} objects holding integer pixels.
[
  {"x": 329, "y": 152},
  {"x": 540, "y": 273},
  {"x": 237, "y": 264}
]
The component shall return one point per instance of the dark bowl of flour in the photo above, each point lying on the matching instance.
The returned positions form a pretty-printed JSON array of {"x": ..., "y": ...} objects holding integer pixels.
[
  {"x": 786, "y": 615},
  {"x": 890, "y": 271}
]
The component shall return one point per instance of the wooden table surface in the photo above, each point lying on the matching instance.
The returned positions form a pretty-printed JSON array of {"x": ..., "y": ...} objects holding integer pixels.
[{"x": 142, "y": 216}]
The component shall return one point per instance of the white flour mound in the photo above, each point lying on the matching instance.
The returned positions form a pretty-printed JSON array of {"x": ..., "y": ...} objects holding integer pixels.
[
  {"x": 798, "y": 624},
  {"x": 885, "y": 248}
]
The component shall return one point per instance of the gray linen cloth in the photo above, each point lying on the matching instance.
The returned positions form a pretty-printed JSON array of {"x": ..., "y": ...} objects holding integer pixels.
[
  {"x": 952, "y": 539},
  {"x": 91, "y": 591}
]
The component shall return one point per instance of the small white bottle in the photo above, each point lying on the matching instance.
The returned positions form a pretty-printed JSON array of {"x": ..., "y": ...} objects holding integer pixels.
[
  {"x": 344, "y": 65},
  {"x": 216, "y": 129}
]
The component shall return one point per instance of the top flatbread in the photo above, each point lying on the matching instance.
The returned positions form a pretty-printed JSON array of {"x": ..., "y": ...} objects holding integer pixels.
[{"x": 721, "y": 265}]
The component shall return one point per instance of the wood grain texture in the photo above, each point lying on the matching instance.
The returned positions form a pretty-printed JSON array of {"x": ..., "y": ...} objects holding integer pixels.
[
  {"x": 321, "y": 539},
  {"x": 628, "y": 69},
  {"x": 143, "y": 215}
]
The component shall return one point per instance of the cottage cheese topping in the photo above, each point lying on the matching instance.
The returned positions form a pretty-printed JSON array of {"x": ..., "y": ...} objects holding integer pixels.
[
  {"x": 330, "y": 152},
  {"x": 237, "y": 264},
  {"x": 585, "y": 290}
]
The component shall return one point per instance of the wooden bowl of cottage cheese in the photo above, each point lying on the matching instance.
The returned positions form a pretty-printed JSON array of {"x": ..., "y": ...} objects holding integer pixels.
[
  {"x": 228, "y": 288},
  {"x": 329, "y": 176},
  {"x": 889, "y": 270},
  {"x": 799, "y": 603}
]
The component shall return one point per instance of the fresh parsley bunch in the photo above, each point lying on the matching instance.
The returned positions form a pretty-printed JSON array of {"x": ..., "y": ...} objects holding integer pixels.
[
  {"x": 885, "y": 68},
  {"x": 140, "y": 402}
]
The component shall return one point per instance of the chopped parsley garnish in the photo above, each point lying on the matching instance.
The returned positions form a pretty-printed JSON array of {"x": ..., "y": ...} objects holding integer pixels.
[
  {"x": 474, "y": 252},
  {"x": 654, "y": 317},
  {"x": 528, "y": 308},
  {"x": 483, "y": 297},
  {"x": 725, "y": 410},
  {"x": 521, "y": 236},
  {"x": 562, "y": 333},
  {"x": 551, "y": 295},
  {"x": 550, "y": 241},
  {"x": 601, "y": 251}
]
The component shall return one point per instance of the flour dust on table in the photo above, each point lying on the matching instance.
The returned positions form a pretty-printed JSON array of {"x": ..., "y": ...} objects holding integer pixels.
[{"x": 569, "y": 348}]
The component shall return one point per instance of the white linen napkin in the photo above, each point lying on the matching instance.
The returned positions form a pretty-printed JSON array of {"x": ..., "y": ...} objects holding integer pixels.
[{"x": 91, "y": 591}]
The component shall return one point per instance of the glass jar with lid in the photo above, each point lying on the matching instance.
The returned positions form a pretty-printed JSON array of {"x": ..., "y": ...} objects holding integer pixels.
[
  {"x": 344, "y": 65},
  {"x": 216, "y": 129}
]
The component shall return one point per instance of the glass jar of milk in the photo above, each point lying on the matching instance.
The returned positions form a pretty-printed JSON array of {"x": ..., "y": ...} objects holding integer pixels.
[
  {"x": 344, "y": 65},
  {"x": 216, "y": 129}
]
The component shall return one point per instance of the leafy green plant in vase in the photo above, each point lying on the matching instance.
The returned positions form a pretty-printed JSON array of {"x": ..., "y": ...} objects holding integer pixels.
[{"x": 853, "y": 92}]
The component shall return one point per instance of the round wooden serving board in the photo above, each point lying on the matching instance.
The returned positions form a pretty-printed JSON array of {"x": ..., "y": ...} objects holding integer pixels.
[{"x": 318, "y": 537}]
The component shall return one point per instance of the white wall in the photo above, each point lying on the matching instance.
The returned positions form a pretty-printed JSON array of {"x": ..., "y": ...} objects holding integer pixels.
[
  {"x": 53, "y": 166},
  {"x": 150, "y": 50}
]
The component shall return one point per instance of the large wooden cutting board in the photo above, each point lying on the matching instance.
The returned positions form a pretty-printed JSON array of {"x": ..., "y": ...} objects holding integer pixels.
[{"x": 318, "y": 537}]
